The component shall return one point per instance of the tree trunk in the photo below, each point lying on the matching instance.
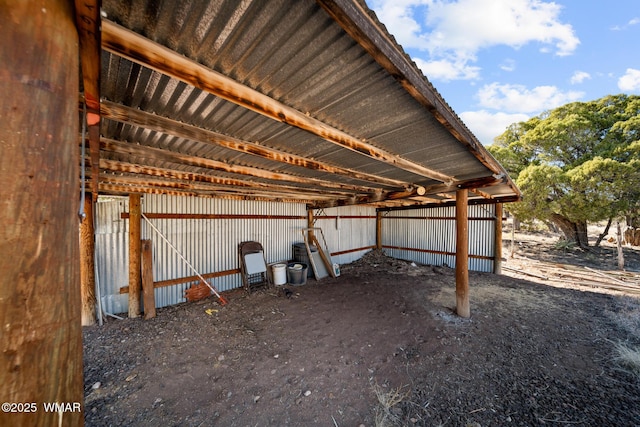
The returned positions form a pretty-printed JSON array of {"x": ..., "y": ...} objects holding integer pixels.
[
  {"x": 604, "y": 233},
  {"x": 575, "y": 232},
  {"x": 633, "y": 220}
]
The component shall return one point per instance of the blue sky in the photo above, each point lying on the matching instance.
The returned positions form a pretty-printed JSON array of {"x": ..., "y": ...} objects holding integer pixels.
[{"x": 498, "y": 62}]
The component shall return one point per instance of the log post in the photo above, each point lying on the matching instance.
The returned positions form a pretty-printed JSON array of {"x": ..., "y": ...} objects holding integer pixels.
[
  {"x": 149, "y": 298},
  {"x": 135, "y": 279},
  {"x": 310, "y": 223},
  {"x": 462, "y": 254},
  {"x": 497, "y": 253},
  {"x": 41, "y": 338},
  {"x": 379, "y": 230},
  {"x": 87, "y": 262}
]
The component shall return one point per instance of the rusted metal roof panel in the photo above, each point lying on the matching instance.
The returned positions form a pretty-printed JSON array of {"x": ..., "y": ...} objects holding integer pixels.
[{"x": 315, "y": 109}]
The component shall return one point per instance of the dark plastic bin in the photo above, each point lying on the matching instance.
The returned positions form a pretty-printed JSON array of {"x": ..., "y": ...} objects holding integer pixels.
[{"x": 297, "y": 273}]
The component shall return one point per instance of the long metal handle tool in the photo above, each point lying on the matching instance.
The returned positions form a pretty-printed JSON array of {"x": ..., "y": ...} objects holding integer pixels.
[{"x": 222, "y": 299}]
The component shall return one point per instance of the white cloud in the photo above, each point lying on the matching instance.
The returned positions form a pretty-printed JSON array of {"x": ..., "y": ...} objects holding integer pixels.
[
  {"x": 454, "y": 31},
  {"x": 579, "y": 76},
  {"x": 633, "y": 21},
  {"x": 630, "y": 82},
  {"x": 508, "y": 65},
  {"x": 517, "y": 98},
  {"x": 445, "y": 70},
  {"x": 486, "y": 125}
]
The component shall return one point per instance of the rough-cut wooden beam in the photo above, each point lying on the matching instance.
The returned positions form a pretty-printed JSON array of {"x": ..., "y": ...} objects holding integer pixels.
[
  {"x": 417, "y": 195},
  {"x": 141, "y": 50},
  {"x": 88, "y": 24},
  {"x": 41, "y": 335},
  {"x": 472, "y": 202},
  {"x": 172, "y": 156},
  {"x": 142, "y": 181},
  {"x": 356, "y": 21},
  {"x": 149, "y": 298},
  {"x": 135, "y": 117},
  {"x": 117, "y": 189},
  {"x": 142, "y": 170},
  {"x": 497, "y": 251},
  {"x": 379, "y": 230},
  {"x": 462, "y": 254},
  {"x": 87, "y": 262},
  {"x": 135, "y": 273}
]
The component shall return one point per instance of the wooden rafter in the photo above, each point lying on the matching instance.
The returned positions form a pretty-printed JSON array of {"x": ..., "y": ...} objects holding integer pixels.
[
  {"x": 132, "y": 116},
  {"x": 171, "y": 156},
  {"x": 120, "y": 189},
  {"x": 136, "y": 48},
  {"x": 205, "y": 187},
  {"x": 143, "y": 170}
]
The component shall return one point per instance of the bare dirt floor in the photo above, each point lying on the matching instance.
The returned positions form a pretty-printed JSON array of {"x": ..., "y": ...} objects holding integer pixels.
[{"x": 381, "y": 345}]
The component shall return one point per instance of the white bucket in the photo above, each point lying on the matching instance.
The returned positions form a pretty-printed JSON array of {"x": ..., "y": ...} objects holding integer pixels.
[{"x": 279, "y": 274}]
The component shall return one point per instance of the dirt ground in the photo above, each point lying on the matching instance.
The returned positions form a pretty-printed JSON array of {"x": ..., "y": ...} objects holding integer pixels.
[{"x": 380, "y": 345}]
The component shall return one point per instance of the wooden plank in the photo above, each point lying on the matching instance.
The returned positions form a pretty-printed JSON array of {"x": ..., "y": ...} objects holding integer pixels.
[
  {"x": 125, "y": 215},
  {"x": 206, "y": 187},
  {"x": 497, "y": 247},
  {"x": 379, "y": 230},
  {"x": 462, "y": 255},
  {"x": 136, "y": 117},
  {"x": 87, "y": 263},
  {"x": 141, "y": 50},
  {"x": 407, "y": 197},
  {"x": 319, "y": 267},
  {"x": 40, "y": 305},
  {"x": 172, "y": 156},
  {"x": 188, "y": 279},
  {"x": 149, "y": 298},
  {"x": 324, "y": 257},
  {"x": 141, "y": 169},
  {"x": 135, "y": 274}
]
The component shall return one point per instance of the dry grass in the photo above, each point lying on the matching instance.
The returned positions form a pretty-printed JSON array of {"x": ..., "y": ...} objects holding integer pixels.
[
  {"x": 628, "y": 319},
  {"x": 629, "y": 358},
  {"x": 387, "y": 399}
]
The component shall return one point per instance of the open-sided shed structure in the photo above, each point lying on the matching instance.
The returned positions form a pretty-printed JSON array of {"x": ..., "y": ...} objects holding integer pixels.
[{"x": 307, "y": 102}]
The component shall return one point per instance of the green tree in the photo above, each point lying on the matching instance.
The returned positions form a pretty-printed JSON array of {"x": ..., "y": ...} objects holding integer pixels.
[{"x": 576, "y": 164}]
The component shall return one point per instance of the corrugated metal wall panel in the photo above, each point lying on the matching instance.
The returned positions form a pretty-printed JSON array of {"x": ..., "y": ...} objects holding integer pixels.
[
  {"x": 348, "y": 228},
  {"x": 210, "y": 245},
  {"x": 112, "y": 253},
  {"x": 405, "y": 230}
]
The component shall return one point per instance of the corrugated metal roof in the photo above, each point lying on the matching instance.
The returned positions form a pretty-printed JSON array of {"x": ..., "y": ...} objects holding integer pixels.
[{"x": 319, "y": 105}]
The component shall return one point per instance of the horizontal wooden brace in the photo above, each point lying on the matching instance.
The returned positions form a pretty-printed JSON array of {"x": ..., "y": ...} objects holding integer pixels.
[
  {"x": 125, "y": 215},
  {"x": 431, "y": 251},
  {"x": 172, "y": 282}
]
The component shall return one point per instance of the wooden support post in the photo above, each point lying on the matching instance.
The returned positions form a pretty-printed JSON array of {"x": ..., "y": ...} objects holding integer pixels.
[
  {"x": 497, "y": 253},
  {"x": 135, "y": 279},
  {"x": 462, "y": 254},
  {"x": 147, "y": 280},
  {"x": 310, "y": 224},
  {"x": 41, "y": 335},
  {"x": 87, "y": 263},
  {"x": 379, "y": 230}
]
